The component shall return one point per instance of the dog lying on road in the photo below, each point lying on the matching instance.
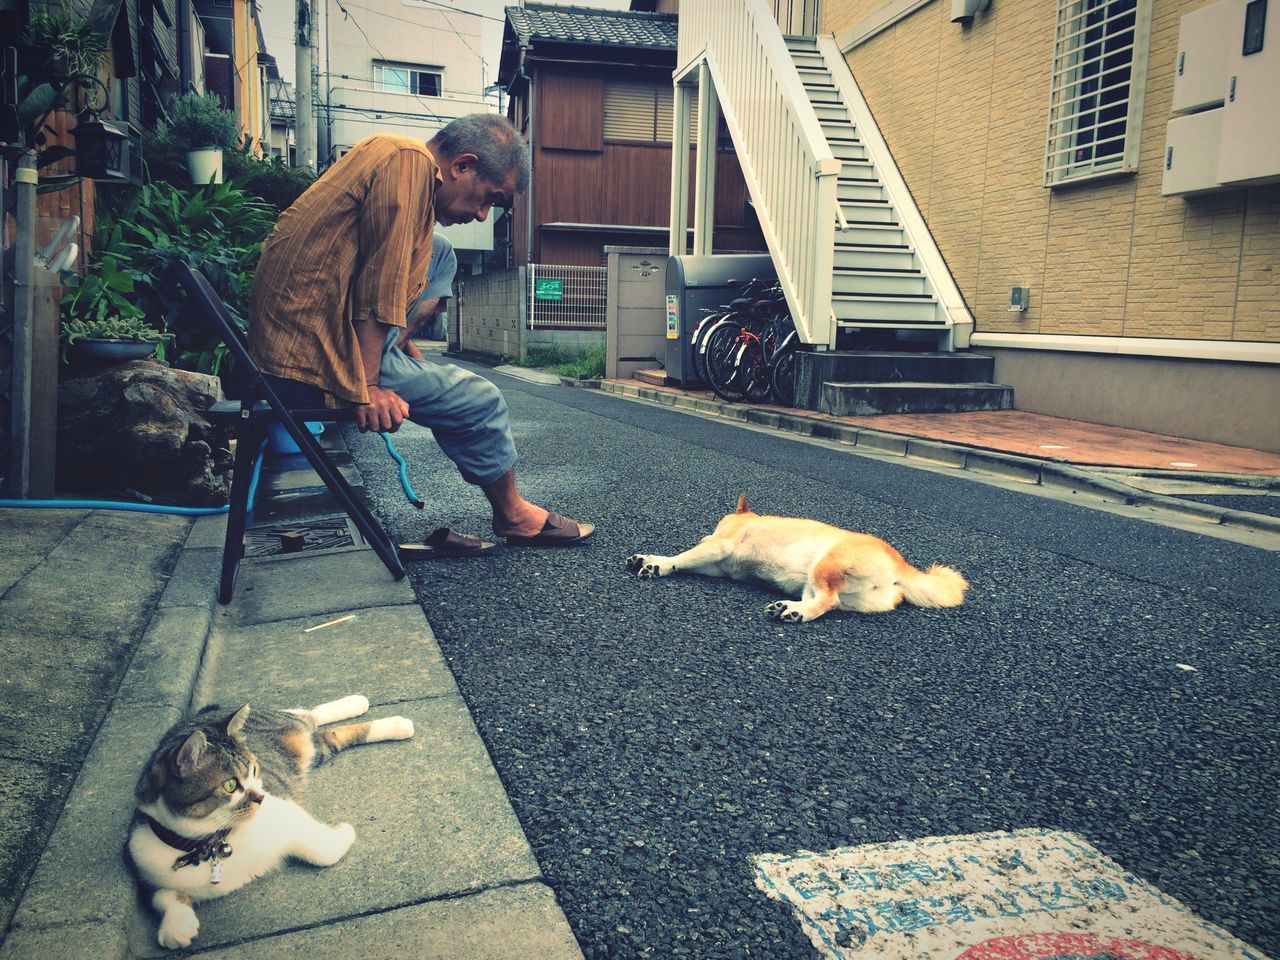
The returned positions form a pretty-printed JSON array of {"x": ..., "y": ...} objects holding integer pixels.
[{"x": 833, "y": 569}]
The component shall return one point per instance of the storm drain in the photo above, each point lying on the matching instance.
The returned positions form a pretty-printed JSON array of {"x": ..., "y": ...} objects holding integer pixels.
[{"x": 326, "y": 533}]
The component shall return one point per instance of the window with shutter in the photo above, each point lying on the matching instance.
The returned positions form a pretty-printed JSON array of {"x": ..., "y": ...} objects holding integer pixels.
[
  {"x": 640, "y": 111},
  {"x": 1095, "y": 101}
]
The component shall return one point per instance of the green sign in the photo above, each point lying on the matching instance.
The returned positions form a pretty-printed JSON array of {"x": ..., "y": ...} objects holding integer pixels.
[{"x": 548, "y": 288}]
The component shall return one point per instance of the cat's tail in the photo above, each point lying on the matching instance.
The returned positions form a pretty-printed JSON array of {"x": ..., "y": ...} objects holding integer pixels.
[
  {"x": 938, "y": 586},
  {"x": 337, "y": 739}
]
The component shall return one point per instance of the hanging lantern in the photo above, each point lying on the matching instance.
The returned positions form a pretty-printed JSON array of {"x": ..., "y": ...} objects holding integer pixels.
[{"x": 100, "y": 151}]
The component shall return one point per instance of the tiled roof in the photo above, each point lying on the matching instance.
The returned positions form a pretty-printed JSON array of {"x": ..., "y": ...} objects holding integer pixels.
[{"x": 610, "y": 28}]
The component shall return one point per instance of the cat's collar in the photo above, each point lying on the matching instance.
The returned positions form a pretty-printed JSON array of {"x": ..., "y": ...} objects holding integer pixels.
[{"x": 196, "y": 850}]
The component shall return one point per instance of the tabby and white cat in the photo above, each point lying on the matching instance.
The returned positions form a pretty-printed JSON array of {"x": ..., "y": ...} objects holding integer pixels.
[{"x": 215, "y": 807}]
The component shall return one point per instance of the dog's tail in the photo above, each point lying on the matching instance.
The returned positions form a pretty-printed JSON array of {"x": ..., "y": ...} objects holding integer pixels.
[{"x": 938, "y": 586}]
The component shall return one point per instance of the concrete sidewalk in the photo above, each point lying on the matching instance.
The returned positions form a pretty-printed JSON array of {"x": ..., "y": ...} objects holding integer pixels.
[{"x": 440, "y": 866}]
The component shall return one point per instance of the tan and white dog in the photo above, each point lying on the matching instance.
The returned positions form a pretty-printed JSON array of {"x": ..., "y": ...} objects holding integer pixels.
[{"x": 831, "y": 568}]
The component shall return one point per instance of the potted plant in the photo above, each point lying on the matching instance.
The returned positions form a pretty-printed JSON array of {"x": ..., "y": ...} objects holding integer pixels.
[
  {"x": 101, "y": 321},
  {"x": 111, "y": 339},
  {"x": 58, "y": 64},
  {"x": 199, "y": 123},
  {"x": 66, "y": 45}
]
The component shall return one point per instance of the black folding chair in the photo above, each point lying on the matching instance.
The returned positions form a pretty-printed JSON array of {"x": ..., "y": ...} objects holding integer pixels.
[{"x": 250, "y": 415}]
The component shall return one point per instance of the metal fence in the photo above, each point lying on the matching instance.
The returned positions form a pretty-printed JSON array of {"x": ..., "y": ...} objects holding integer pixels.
[{"x": 567, "y": 298}]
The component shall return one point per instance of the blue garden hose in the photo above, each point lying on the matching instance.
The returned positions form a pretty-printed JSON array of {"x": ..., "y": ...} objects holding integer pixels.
[
  {"x": 404, "y": 470},
  {"x": 199, "y": 511},
  {"x": 141, "y": 507}
]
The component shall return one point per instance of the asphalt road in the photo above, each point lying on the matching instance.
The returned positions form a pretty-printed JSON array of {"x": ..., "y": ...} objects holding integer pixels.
[{"x": 654, "y": 734}]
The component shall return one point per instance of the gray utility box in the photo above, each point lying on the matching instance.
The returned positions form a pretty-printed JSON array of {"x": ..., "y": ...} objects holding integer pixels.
[{"x": 698, "y": 287}]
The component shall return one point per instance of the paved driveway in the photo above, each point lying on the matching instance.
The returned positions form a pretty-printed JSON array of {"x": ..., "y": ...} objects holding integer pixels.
[{"x": 653, "y": 735}]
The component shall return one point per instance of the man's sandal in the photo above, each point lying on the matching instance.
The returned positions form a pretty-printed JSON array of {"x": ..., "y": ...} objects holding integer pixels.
[
  {"x": 558, "y": 531},
  {"x": 445, "y": 544}
]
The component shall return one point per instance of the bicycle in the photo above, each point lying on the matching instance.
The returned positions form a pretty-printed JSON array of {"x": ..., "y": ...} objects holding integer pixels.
[
  {"x": 726, "y": 315},
  {"x": 743, "y": 353}
]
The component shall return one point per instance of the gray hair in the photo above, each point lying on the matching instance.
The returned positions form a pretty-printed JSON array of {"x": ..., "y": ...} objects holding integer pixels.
[{"x": 494, "y": 141}]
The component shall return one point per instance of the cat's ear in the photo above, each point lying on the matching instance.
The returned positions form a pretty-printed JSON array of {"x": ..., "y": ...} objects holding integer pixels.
[
  {"x": 235, "y": 726},
  {"x": 189, "y": 754}
]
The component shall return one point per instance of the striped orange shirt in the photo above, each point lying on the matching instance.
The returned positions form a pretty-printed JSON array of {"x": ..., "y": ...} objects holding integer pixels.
[{"x": 357, "y": 243}]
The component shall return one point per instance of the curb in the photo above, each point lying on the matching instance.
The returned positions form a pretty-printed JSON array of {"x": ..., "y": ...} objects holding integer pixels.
[
  {"x": 1063, "y": 477},
  {"x": 81, "y": 897}
]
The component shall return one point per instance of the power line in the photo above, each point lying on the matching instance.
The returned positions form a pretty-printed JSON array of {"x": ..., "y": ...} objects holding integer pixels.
[
  {"x": 373, "y": 46},
  {"x": 379, "y": 13}
]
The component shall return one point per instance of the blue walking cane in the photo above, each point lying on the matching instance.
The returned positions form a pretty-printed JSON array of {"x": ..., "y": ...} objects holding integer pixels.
[{"x": 404, "y": 470}]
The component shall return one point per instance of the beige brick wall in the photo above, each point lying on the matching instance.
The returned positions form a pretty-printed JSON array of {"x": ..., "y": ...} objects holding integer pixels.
[{"x": 964, "y": 111}]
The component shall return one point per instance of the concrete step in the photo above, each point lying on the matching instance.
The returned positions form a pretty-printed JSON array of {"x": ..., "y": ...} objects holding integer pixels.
[
  {"x": 886, "y": 366},
  {"x": 657, "y": 378},
  {"x": 868, "y": 399}
]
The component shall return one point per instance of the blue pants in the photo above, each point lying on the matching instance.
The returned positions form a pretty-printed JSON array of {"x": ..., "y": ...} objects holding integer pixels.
[{"x": 465, "y": 412}]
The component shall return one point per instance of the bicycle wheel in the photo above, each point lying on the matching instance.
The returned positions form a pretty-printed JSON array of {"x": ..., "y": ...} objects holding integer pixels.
[
  {"x": 782, "y": 377},
  {"x": 753, "y": 371},
  {"x": 698, "y": 345},
  {"x": 722, "y": 372}
]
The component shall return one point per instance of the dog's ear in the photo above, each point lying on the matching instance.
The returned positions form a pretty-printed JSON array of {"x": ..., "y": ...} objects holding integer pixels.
[{"x": 742, "y": 504}]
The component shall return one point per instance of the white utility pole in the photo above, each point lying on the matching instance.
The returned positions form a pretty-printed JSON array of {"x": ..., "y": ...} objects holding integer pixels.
[{"x": 305, "y": 40}]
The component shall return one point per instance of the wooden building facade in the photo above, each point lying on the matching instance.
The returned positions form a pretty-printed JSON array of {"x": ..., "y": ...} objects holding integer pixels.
[{"x": 591, "y": 91}]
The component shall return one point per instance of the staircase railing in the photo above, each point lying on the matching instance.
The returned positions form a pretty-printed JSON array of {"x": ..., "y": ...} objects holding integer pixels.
[{"x": 786, "y": 162}]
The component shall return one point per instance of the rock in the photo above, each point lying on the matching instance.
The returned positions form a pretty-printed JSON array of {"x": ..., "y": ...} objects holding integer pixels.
[{"x": 140, "y": 426}]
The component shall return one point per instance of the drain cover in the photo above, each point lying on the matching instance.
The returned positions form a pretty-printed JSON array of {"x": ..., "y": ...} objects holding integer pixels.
[{"x": 326, "y": 533}]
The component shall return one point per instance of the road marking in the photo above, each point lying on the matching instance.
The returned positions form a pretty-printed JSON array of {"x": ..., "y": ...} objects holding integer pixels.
[{"x": 1022, "y": 895}]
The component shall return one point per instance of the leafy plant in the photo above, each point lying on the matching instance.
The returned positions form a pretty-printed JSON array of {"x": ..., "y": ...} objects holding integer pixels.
[
  {"x": 131, "y": 329},
  {"x": 271, "y": 180},
  {"x": 217, "y": 229},
  {"x": 200, "y": 121},
  {"x": 70, "y": 45},
  {"x": 100, "y": 295},
  {"x": 58, "y": 64}
]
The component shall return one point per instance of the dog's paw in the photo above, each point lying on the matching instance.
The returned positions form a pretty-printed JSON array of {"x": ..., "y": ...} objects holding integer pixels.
[
  {"x": 645, "y": 566},
  {"x": 784, "y": 610}
]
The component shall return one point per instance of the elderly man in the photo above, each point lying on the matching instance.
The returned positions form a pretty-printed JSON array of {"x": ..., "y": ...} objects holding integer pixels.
[{"x": 335, "y": 282}]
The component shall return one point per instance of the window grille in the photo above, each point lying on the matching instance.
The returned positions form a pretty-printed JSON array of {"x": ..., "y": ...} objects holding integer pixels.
[
  {"x": 407, "y": 78},
  {"x": 639, "y": 111},
  {"x": 1099, "y": 77}
]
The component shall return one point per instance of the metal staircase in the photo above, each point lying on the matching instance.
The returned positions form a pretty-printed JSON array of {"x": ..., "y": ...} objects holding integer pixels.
[
  {"x": 855, "y": 259},
  {"x": 878, "y": 279}
]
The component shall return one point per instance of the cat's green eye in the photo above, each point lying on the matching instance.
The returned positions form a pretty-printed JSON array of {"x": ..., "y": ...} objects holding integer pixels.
[{"x": 231, "y": 785}]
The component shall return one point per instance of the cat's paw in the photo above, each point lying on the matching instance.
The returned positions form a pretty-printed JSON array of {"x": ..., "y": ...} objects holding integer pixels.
[
  {"x": 178, "y": 928},
  {"x": 344, "y": 835},
  {"x": 391, "y": 728}
]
